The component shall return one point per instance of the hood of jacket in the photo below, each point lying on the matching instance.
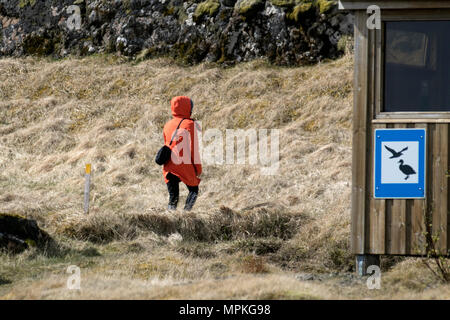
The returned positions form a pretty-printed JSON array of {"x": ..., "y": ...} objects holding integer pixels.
[{"x": 181, "y": 107}]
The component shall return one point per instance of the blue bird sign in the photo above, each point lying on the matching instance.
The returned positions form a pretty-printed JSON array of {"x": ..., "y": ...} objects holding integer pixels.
[{"x": 400, "y": 163}]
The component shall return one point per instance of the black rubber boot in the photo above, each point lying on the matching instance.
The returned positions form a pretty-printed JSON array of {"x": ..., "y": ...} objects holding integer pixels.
[
  {"x": 192, "y": 197},
  {"x": 174, "y": 191}
]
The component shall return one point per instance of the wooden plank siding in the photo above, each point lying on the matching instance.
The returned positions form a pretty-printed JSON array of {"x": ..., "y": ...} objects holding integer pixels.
[
  {"x": 397, "y": 226},
  {"x": 439, "y": 166},
  {"x": 392, "y": 226},
  {"x": 418, "y": 209},
  {"x": 377, "y": 217}
]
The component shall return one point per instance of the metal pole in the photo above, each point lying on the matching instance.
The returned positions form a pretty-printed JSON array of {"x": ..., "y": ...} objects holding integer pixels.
[{"x": 87, "y": 186}]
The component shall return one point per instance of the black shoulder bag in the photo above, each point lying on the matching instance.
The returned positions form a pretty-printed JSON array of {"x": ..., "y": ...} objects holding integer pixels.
[{"x": 164, "y": 154}]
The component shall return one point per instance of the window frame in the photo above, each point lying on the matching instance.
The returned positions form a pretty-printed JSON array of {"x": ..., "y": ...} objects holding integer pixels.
[{"x": 377, "y": 49}]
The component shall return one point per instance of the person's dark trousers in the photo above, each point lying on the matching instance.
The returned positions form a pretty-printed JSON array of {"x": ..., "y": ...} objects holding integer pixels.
[{"x": 173, "y": 186}]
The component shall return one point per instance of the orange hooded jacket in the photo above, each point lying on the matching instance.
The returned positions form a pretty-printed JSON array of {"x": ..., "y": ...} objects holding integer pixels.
[{"x": 185, "y": 162}]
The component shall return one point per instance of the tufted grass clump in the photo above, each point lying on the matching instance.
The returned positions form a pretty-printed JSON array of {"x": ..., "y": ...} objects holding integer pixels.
[{"x": 253, "y": 264}]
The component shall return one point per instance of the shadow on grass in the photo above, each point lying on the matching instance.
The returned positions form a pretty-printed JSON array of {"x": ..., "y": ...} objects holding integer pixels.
[
  {"x": 4, "y": 281},
  {"x": 221, "y": 225}
]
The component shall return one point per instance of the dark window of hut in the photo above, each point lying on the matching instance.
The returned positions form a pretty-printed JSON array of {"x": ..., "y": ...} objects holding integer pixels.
[{"x": 417, "y": 66}]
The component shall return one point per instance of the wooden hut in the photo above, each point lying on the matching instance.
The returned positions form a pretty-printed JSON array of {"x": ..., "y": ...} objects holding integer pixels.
[{"x": 401, "y": 100}]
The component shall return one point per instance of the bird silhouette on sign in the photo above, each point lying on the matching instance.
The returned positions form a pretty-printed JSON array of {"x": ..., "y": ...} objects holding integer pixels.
[
  {"x": 407, "y": 170},
  {"x": 395, "y": 154}
]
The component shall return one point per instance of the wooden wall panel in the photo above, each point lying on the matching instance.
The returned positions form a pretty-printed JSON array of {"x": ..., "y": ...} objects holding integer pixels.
[
  {"x": 447, "y": 174},
  {"x": 397, "y": 226},
  {"x": 377, "y": 217},
  {"x": 418, "y": 211}
]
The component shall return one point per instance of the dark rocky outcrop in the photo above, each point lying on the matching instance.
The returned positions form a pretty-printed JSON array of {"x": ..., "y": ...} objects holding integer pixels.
[
  {"x": 18, "y": 233},
  {"x": 285, "y": 31}
]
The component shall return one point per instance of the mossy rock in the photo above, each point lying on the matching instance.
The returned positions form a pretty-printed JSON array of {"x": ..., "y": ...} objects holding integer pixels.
[
  {"x": 283, "y": 3},
  {"x": 228, "y": 3},
  {"x": 190, "y": 53},
  {"x": 176, "y": 9},
  {"x": 299, "y": 10},
  {"x": 25, "y": 3},
  {"x": 249, "y": 7},
  {"x": 18, "y": 233},
  {"x": 208, "y": 8},
  {"x": 325, "y": 5},
  {"x": 40, "y": 45},
  {"x": 305, "y": 8}
]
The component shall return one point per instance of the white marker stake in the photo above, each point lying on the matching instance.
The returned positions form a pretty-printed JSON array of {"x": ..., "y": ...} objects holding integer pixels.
[{"x": 87, "y": 186}]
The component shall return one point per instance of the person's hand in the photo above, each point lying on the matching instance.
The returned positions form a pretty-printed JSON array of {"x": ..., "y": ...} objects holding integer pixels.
[{"x": 199, "y": 176}]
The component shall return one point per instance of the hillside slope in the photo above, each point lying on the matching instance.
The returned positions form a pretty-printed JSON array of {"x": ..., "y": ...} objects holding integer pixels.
[{"x": 249, "y": 229}]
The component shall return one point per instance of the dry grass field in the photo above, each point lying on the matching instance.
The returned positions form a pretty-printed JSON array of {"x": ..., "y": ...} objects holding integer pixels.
[{"x": 250, "y": 236}]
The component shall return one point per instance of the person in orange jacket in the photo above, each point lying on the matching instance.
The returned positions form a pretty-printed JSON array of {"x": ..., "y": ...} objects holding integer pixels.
[{"x": 185, "y": 164}]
